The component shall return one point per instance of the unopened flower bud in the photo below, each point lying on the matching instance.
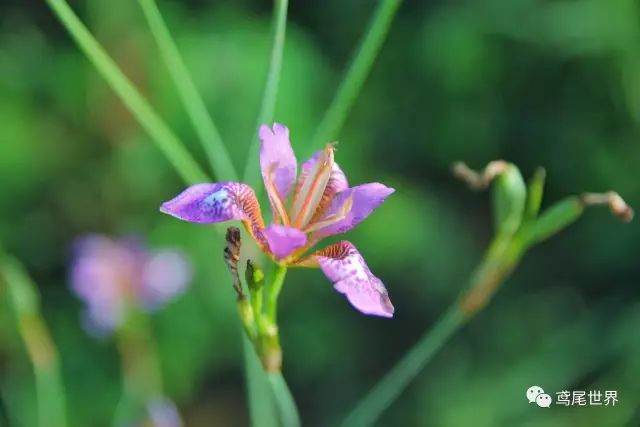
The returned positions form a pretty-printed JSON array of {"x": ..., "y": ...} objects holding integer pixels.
[{"x": 254, "y": 276}]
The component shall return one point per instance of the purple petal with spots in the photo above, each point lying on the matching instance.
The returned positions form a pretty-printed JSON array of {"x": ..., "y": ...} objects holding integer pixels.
[
  {"x": 165, "y": 275},
  {"x": 365, "y": 198},
  {"x": 283, "y": 240},
  {"x": 277, "y": 158},
  {"x": 210, "y": 203},
  {"x": 345, "y": 267}
]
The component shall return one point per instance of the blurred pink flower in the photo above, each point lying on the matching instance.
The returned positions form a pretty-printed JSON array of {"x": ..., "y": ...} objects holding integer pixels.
[{"x": 112, "y": 275}]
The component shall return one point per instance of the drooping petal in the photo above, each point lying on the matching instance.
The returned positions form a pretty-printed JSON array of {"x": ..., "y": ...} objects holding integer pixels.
[
  {"x": 345, "y": 267},
  {"x": 277, "y": 161},
  {"x": 364, "y": 199},
  {"x": 218, "y": 202},
  {"x": 337, "y": 183},
  {"x": 165, "y": 275},
  {"x": 283, "y": 240}
]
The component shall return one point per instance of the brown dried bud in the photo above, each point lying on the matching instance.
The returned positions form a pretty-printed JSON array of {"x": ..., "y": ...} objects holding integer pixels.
[
  {"x": 479, "y": 180},
  {"x": 232, "y": 256},
  {"x": 616, "y": 204}
]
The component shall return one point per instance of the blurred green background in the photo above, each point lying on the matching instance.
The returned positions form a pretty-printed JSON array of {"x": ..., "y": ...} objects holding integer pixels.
[{"x": 539, "y": 83}]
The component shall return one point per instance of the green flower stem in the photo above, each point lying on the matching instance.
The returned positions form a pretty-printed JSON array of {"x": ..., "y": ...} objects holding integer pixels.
[
  {"x": 273, "y": 292},
  {"x": 200, "y": 119},
  {"x": 268, "y": 343},
  {"x": 261, "y": 409},
  {"x": 161, "y": 134},
  {"x": 257, "y": 299},
  {"x": 24, "y": 297},
  {"x": 357, "y": 72},
  {"x": 289, "y": 416},
  {"x": 270, "y": 95},
  {"x": 140, "y": 367}
]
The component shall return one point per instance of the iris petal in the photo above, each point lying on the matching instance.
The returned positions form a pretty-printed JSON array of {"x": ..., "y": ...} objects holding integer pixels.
[
  {"x": 337, "y": 182},
  {"x": 277, "y": 161},
  {"x": 283, "y": 240},
  {"x": 346, "y": 268},
  {"x": 365, "y": 199},
  {"x": 218, "y": 202}
]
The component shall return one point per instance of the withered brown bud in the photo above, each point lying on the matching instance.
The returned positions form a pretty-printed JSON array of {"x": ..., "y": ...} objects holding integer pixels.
[
  {"x": 479, "y": 180},
  {"x": 617, "y": 205},
  {"x": 232, "y": 256}
]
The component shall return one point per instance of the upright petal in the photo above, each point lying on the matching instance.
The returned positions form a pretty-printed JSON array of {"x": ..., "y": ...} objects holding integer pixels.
[
  {"x": 345, "y": 267},
  {"x": 337, "y": 183},
  {"x": 219, "y": 202},
  {"x": 283, "y": 240},
  {"x": 364, "y": 199},
  {"x": 277, "y": 161},
  {"x": 309, "y": 194}
]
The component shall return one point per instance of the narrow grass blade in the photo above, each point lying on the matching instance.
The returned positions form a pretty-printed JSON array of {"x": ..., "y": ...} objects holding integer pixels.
[
  {"x": 24, "y": 297},
  {"x": 357, "y": 72},
  {"x": 201, "y": 120},
  {"x": 162, "y": 135},
  {"x": 385, "y": 392}
]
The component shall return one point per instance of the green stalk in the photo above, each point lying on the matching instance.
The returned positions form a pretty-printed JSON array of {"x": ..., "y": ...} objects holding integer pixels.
[
  {"x": 269, "y": 347},
  {"x": 357, "y": 72},
  {"x": 270, "y": 95},
  {"x": 197, "y": 111},
  {"x": 273, "y": 292},
  {"x": 289, "y": 416},
  {"x": 261, "y": 409},
  {"x": 387, "y": 390},
  {"x": 50, "y": 392},
  {"x": 137, "y": 105}
]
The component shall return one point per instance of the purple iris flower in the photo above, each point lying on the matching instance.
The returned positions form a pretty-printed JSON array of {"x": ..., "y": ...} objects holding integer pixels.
[
  {"x": 113, "y": 275},
  {"x": 318, "y": 204}
]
